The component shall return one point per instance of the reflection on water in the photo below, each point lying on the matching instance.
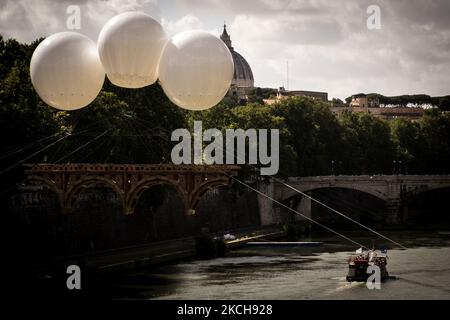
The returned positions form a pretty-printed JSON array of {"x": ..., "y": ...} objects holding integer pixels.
[{"x": 422, "y": 272}]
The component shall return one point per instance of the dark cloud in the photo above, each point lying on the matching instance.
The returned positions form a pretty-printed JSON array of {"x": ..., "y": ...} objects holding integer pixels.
[
  {"x": 333, "y": 49},
  {"x": 27, "y": 20}
]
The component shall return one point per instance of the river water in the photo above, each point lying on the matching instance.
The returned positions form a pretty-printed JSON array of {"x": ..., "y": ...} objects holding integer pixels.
[{"x": 421, "y": 272}]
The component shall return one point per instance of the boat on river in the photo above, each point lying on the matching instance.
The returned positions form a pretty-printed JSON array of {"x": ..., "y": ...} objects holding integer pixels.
[{"x": 359, "y": 263}]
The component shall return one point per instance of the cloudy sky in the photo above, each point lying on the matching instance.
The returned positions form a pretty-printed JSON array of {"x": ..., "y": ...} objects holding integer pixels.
[{"x": 326, "y": 43}]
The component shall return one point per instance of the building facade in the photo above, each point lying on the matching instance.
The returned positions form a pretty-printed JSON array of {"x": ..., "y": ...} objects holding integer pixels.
[
  {"x": 364, "y": 101},
  {"x": 282, "y": 92},
  {"x": 359, "y": 101}
]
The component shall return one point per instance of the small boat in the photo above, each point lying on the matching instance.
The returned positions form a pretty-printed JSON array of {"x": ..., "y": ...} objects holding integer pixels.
[{"x": 358, "y": 264}]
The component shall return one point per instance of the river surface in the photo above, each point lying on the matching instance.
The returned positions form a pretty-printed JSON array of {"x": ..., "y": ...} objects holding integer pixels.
[{"x": 421, "y": 272}]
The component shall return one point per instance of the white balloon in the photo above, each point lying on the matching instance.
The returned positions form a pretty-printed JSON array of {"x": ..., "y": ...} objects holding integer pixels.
[
  {"x": 130, "y": 46},
  {"x": 196, "y": 70},
  {"x": 66, "y": 71}
]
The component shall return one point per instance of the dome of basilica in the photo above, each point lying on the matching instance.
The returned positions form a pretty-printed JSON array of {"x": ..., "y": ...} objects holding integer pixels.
[{"x": 243, "y": 75}]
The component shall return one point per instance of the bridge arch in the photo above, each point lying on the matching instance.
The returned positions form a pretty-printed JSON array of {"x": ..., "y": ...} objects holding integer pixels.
[
  {"x": 220, "y": 208},
  {"x": 159, "y": 213},
  {"x": 291, "y": 193},
  {"x": 136, "y": 192},
  {"x": 130, "y": 180},
  {"x": 51, "y": 184},
  {"x": 426, "y": 207},
  {"x": 83, "y": 183},
  {"x": 422, "y": 189},
  {"x": 39, "y": 205},
  {"x": 203, "y": 188},
  {"x": 366, "y": 207}
]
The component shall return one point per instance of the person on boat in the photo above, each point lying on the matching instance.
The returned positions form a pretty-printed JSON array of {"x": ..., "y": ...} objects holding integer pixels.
[{"x": 372, "y": 256}]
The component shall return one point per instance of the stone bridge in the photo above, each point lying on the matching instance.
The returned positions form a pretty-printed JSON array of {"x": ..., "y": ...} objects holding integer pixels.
[
  {"x": 129, "y": 181},
  {"x": 392, "y": 189}
]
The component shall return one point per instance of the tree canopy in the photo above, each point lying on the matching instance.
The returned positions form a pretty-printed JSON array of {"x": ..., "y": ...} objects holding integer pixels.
[{"x": 134, "y": 126}]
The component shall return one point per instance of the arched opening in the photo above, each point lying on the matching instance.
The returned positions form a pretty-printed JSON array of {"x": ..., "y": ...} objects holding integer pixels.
[
  {"x": 223, "y": 208},
  {"x": 84, "y": 183},
  {"x": 37, "y": 212},
  {"x": 95, "y": 221},
  {"x": 136, "y": 192},
  {"x": 203, "y": 188},
  {"x": 358, "y": 205},
  {"x": 427, "y": 209},
  {"x": 159, "y": 214}
]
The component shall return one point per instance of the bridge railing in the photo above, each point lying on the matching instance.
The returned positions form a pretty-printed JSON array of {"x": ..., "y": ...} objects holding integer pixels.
[{"x": 109, "y": 167}]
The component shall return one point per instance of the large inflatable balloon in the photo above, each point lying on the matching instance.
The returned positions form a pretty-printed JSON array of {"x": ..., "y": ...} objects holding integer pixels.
[
  {"x": 196, "y": 70},
  {"x": 66, "y": 71},
  {"x": 130, "y": 46}
]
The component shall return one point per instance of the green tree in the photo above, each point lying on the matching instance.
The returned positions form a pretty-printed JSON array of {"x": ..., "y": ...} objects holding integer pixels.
[
  {"x": 435, "y": 128},
  {"x": 372, "y": 145},
  {"x": 26, "y": 123},
  {"x": 250, "y": 116},
  {"x": 315, "y": 134},
  {"x": 410, "y": 144}
]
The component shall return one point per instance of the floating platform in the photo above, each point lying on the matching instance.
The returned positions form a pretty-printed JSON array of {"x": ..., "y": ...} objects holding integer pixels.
[{"x": 285, "y": 244}]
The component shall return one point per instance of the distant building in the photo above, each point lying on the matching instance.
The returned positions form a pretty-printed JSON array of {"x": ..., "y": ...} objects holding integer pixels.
[
  {"x": 359, "y": 101},
  {"x": 384, "y": 113},
  {"x": 243, "y": 81},
  {"x": 363, "y": 101},
  {"x": 283, "y": 94},
  {"x": 373, "y": 102}
]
